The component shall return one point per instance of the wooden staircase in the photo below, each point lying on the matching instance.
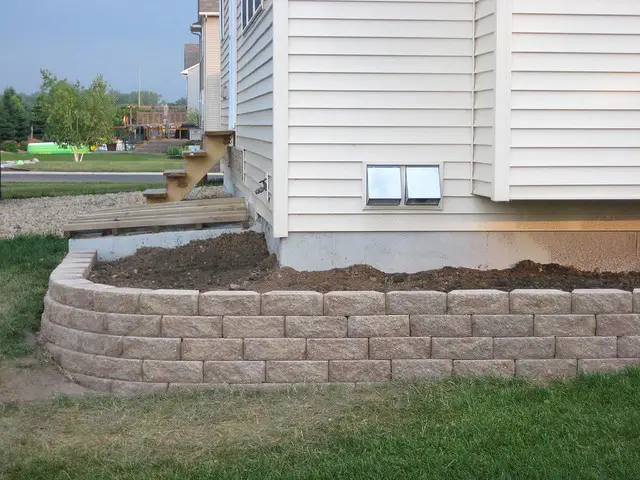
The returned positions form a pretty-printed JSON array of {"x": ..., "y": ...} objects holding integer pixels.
[{"x": 197, "y": 164}]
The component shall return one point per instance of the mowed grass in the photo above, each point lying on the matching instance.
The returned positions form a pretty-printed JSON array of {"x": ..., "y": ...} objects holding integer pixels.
[
  {"x": 44, "y": 189},
  {"x": 586, "y": 428},
  {"x": 25, "y": 265},
  {"x": 98, "y": 162}
]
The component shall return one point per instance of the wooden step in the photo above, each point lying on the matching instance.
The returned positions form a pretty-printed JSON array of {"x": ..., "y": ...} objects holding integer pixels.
[
  {"x": 220, "y": 133},
  {"x": 198, "y": 154},
  {"x": 175, "y": 173},
  {"x": 155, "y": 193}
]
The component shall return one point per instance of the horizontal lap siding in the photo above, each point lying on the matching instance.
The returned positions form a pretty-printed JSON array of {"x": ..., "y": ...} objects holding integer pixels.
[
  {"x": 484, "y": 97},
  {"x": 254, "y": 126},
  {"x": 224, "y": 63},
  {"x": 212, "y": 120},
  {"x": 379, "y": 81},
  {"x": 575, "y": 100}
]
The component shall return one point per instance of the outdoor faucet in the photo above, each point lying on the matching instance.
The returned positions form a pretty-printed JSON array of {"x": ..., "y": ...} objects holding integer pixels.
[{"x": 263, "y": 188}]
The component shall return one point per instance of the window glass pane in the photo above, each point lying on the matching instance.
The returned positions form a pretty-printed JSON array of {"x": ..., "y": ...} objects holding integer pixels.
[{"x": 257, "y": 4}]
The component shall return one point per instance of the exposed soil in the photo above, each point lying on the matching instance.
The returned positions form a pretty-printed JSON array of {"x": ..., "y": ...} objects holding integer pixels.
[{"x": 242, "y": 262}]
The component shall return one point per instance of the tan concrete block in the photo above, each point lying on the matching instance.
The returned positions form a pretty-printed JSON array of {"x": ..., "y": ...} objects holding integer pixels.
[
  {"x": 294, "y": 372},
  {"x": 275, "y": 348},
  {"x": 440, "y": 325},
  {"x": 540, "y": 301},
  {"x": 354, "y": 303},
  {"x": 191, "y": 327},
  {"x": 236, "y": 303},
  {"x": 420, "y": 369},
  {"x": 629, "y": 347},
  {"x": 212, "y": 349},
  {"x": 416, "y": 303},
  {"x": 502, "y": 325},
  {"x": 586, "y": 347},
  {"x": 546, "y": 369},
  {"x": 359, "y": 370},
  {"x": 169, "y": 302},
  {"x": 403, "y": 347},
  {"x": 292, "y": 303},
  {"x": 636, "y": 300},
  {"x": 151, "y": 348},
  {"x": 117, "y": 300},
  {"x": 253, "y": 327},
  {"x": 120, "y": 387},
  {"x": 182, "y": 387},
  {"x": 161, "y": 371},
  {"x": 492, "y": 368},
  {"x": 618, "y": 325},
  {"x": 87, "y": 342},
  {"x": 316, "y": 327},
  {"x": 337, "y": 348},
  {"x": 564, "y": 325},
  {"x": 75, "y": 318},
  {"x": 74, "y": 293},
  {"x": 379, "y": 326},
  {"x": 132, "y": 325},
  {"x": 462, "y": 348},
  {"x": 103, "y": 367},
  {"x": 601, "y": 300},
  {"x": 234, "y": 372},
  {"x": 479, "y": 302},
  {"x": 524, "y": 347},
  {"x": 92, "y": 383},
  {"x": 606, "y": 364}
]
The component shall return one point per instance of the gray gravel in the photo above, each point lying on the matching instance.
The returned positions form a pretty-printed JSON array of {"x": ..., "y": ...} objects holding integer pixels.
[{"x": 49, "y": 214}]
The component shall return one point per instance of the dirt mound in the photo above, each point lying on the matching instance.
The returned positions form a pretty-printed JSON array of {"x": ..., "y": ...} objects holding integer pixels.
[{"x": 242, "y": 262}]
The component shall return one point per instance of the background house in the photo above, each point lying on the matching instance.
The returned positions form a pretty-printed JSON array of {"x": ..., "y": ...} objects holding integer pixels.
[
  {"x": 527, "y": 114},
  {"x": 208, "y": 28},
  {"x": 191, "y": 73}
]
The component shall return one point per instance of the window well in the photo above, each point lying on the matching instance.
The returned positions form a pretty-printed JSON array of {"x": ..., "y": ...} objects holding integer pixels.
[
  {"x": 384, "y": 185},
  {"x": 422, "y": 185}
]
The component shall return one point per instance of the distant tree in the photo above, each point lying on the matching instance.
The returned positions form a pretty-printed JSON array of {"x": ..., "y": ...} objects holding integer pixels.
[
  {"x": 39, "y": 116},
  {"x": 15, "y": 117},
  {"x": 181, "y": 102},
  {"x": 6, "y": 128},
  {"x": 193, "y": 117},
  {"x": 29, "y": 100},
  {"x": 77, "y": 116},
  {"x": 147, "y": 98}
]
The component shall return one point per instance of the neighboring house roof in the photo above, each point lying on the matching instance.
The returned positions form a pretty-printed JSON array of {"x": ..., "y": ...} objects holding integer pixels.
[
  {"x": 191, "y": 54},
  {"x": 187, "y": 70},
  {"x": 208, "y": 6}
]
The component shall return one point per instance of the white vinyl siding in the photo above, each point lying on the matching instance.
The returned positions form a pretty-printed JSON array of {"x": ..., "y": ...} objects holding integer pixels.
[
  {"x": 484, "y": 97},
  {"x": 575, "y": 119},
  {"x": 381, "y": 82},
  {"x": 254, "y": 124},
  {"x": 211, "y": 34},
  {"x": 224, "y": 62}
]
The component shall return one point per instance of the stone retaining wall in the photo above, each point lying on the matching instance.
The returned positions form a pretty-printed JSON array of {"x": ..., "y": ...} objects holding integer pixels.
[{"x": 134, "y": 340}]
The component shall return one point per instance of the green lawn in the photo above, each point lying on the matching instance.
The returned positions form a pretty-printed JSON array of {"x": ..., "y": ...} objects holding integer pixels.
[
  {"x": 44, "y": 189},
  {"x": 25, "y": 265},
  {"x": 587, "y": 428},
  {"x": 99, "y": 162}
]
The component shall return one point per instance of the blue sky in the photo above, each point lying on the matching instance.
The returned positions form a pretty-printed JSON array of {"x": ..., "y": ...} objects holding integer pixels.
[{"x": 77, "y": 39}]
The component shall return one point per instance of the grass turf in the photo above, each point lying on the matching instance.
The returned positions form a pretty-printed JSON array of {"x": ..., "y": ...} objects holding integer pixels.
[
  {"x": 456, "y": 428},
  {"x": 25, "y": 265},
  {"x": 99, "y": 162},
  {"x": 46, "y": 189}
]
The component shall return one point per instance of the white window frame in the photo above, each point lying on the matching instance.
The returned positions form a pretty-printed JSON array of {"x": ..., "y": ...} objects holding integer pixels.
[{"x": 250, "y": 11}]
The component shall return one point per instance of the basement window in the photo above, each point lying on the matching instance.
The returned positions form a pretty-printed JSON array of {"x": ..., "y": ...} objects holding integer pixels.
[
  {"x": 384, "y": 185},
  {"x": 250, "y": 9},
  {"x": 422, "y": 185}
]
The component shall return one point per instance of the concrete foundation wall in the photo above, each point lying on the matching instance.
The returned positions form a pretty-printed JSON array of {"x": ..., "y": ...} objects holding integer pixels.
[
  {"x": 127, "y": 340},
  {"x": 415, "y": 251}
]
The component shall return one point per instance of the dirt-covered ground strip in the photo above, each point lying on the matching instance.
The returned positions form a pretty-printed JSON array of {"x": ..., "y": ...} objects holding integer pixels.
[{"x": 242, "y": 262}]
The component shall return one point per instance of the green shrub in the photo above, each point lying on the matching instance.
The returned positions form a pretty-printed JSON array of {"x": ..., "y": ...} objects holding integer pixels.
[
  {"x": 174, "y": 151},
  {"x": 9, "y": 146},
  {"x": 24, "y": 145}
]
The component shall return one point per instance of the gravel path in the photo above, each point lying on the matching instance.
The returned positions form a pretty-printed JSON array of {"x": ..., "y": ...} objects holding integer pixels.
[{"x": 49, "y": 214}]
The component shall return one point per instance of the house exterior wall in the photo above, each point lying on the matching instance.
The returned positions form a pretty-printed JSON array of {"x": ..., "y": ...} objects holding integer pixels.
[
  {"x": 250, "y": 161},
  {"x": 211, "y": 73},
  {"x": 575, "y": 100},
  {"x": 193, "y": 88}
]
